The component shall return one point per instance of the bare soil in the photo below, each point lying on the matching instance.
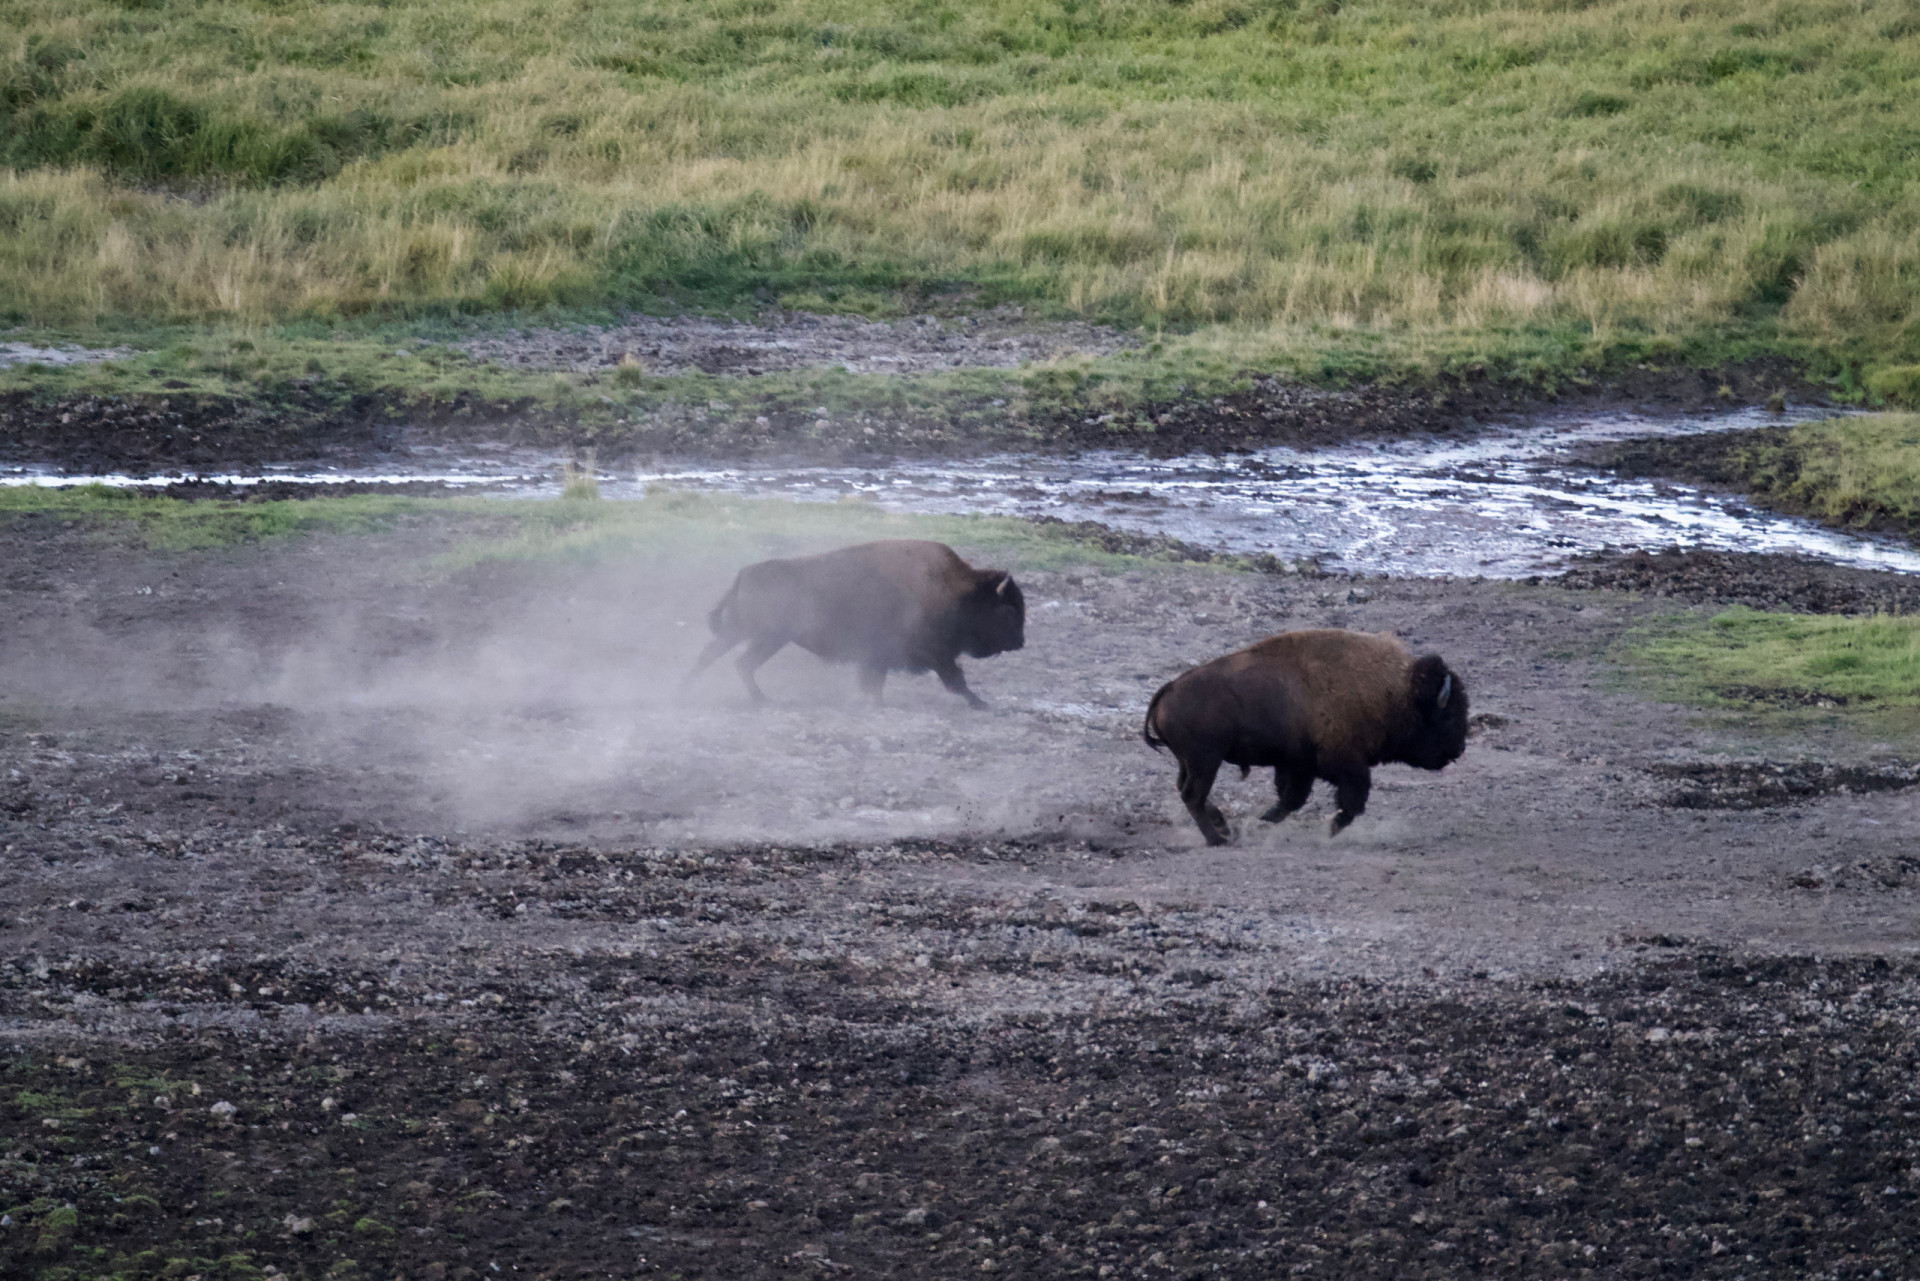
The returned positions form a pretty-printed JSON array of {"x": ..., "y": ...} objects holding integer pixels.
[
  {"x": 363, "y": 919},
  {"x": 997, "y": 338},
  {"x": 1795, "y": 584}
]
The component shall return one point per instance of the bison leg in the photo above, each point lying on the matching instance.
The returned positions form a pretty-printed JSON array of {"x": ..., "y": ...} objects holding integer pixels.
[
  {"x": 709, "y": 656},
  {"x": 1196, "y": 784},
  {"x": 1293, "y": 786},
  {"x": 1351, "y": 784},
  {"x": 872, "y": 680},
  {"x": 750, "y": 662},
  {"x": 955, "y": 681}
]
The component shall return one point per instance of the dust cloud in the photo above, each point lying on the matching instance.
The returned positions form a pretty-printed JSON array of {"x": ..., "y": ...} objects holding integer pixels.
[{"x": 549, "y": 699}]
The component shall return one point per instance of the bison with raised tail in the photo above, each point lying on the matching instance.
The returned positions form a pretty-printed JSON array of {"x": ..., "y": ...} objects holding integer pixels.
[
  {"x": 1313, "y": 704},
  {"x": 893, "y": 606}
]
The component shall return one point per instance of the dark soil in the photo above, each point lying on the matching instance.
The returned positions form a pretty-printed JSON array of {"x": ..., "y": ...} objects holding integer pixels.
[
  {"x": 1761, "y": 784},
  {"x": 1795, "y": 584},
  {"x": 266, "y": 491},
  {"x": 317, "y": 423},
  {"x": 1710, "y": 458},
  {"x": 362, "y": 919},
  {"x": 138, "y": 435},
  {"x": 1695, "y": 1114}
]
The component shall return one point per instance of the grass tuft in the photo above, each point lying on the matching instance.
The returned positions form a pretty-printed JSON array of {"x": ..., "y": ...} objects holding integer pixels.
[
  {"x": 579, "y": 483},
  {"x": 1745, "y": 657}
]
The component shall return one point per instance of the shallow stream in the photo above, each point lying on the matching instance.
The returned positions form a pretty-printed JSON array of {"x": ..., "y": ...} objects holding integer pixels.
[{"x": 1507, "y": 503}]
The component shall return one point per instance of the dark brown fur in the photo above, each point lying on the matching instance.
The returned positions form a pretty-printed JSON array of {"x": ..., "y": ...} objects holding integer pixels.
[
  {"x": 1321, "y": 704},
  {"x": 893, "y": 606}
]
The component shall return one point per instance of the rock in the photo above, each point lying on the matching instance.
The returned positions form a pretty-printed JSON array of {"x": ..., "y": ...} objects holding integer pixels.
[
  {"x": 299, "y": 1225},
  {"x": 223, "y": 1109}
]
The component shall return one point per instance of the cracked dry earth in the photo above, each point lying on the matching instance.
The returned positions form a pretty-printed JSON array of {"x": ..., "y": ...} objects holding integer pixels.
[{"x": 366, "y": 920}]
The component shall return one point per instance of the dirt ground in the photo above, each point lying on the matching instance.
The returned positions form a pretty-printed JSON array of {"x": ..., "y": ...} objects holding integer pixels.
[
  {"x": 364, "y": 919},
  {"x": 997, "y": 338}
]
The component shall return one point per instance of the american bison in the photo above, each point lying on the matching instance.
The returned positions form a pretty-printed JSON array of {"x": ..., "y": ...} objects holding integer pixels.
[
  {"x": 1313, "y": 704},
  {"x": 900, "y": 605}
]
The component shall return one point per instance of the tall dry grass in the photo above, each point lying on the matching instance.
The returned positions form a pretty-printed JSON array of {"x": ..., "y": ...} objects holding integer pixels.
[{"x": 1641, "y": 166}]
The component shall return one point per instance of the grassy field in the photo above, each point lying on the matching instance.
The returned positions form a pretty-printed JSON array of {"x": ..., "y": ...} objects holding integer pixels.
[{"x": 1338, "y": 190}]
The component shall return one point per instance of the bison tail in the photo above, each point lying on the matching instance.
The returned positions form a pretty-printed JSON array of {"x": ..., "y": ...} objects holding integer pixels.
[
  {"x": 1147, "y": 728},
  {"x": 718, "y": 620}
]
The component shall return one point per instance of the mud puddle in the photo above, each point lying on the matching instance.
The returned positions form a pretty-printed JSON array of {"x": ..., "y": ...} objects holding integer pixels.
[{"x": 1510, "y": 503}]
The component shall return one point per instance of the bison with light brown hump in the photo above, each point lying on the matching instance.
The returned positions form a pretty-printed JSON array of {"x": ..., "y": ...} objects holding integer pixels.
[
  {"x": 900, "y": 605},
  {"x": 1313, "y": 704}
]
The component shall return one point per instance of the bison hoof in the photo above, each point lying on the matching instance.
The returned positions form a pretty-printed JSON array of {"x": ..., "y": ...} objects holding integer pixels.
[
  {"x": 1340, "y": 822},
  {"x": 977, "y": 703},
  {"x": 1274, "y": 814}
]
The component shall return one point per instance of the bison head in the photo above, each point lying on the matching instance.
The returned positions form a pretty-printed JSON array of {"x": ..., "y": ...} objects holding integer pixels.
[
  {"x": 993, "y": 617},
  {"x": 1440, "y": 703}
]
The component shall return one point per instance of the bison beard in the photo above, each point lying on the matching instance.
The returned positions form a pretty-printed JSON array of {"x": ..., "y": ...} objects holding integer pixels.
[
  {"x": 900, "y": 605},
  {"x": 1323, "y": 704}
]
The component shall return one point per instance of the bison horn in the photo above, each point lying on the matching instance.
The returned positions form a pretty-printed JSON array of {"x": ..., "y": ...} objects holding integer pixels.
[
  {"x": 1446, "y": 692},
  {"x": 1006, "y": 580}
]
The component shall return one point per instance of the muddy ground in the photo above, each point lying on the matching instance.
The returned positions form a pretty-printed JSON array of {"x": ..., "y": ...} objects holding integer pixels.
[
  {"x": 996, "y": 338},
  {"x": 314, "y": 421},
  {"x": 1793, "y": 584},
  {"x": 368, "y": 919}
]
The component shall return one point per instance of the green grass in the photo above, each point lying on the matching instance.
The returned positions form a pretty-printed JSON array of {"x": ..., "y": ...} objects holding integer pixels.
[
  {"x": 579, "y": 526},
  {"x": 172, "y": 524},
  {"x": 1861, "y": 471},
  {"x": 1744, "y": 657},
  {"x": 1340, "y": 190}
]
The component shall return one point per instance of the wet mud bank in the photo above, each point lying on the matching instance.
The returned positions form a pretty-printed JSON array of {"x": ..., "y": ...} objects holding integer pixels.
[
  {"x": 1794, "y": 584},
  {"x": 1765, "y": 465},
  {"x": 317, "y": 423}
]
